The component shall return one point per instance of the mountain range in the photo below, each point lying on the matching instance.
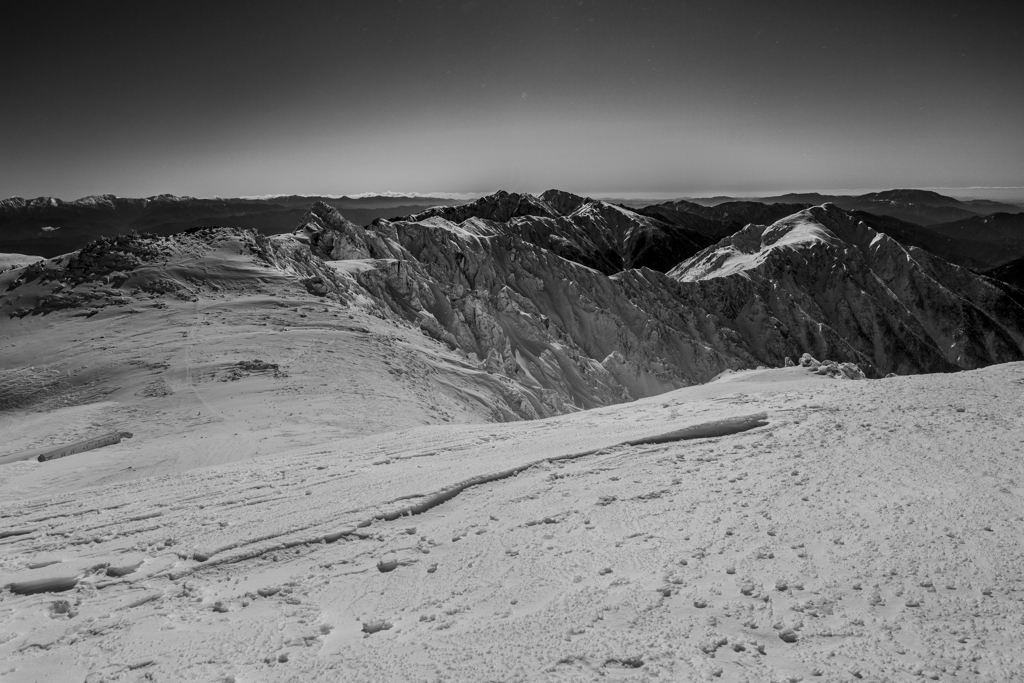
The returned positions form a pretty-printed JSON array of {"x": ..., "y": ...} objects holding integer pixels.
[
  {"x": 981, "y": 235},
  {"x": 47, "y": 226},
  {"x": 575, "y": 302},
  {"x": 923, "y": 207}
]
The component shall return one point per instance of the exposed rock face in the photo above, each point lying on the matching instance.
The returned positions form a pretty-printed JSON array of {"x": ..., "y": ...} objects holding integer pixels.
[
  {"x": 329, "y": 235},
  {"x": 835, "y": 286}
]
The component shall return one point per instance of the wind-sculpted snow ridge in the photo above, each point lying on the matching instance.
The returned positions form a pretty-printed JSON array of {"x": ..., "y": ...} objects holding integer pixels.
[
  {"x": 842, "y": 290},
  {"x": 396, "y": 509}
]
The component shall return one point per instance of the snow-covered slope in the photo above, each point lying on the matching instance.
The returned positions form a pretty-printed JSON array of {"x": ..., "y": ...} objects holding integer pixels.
[
  {"x": 8, "y": 261},
  {"x": 213, "y": 346},
  {"x": 844, "y": 290},
  {"x": 856, "y": 530}
]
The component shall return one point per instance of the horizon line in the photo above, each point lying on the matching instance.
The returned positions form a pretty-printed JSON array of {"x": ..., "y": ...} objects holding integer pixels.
[{"x": 633, "y": 196}]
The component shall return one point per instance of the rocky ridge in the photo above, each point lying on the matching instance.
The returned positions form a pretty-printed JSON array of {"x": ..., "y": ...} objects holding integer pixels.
[{"x": 845, "y": 290}]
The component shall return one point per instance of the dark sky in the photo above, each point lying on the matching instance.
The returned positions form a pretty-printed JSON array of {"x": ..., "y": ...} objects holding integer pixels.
[{"x": 599, "y": 97}]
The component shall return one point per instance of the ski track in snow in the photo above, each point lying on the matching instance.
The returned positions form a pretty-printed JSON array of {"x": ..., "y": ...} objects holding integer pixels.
[{"x": 869, "y": 530}]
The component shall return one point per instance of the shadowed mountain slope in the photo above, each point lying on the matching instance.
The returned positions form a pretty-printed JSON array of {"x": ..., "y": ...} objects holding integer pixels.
[
  {"x": 721, "y": 220},
  {"x": 961, "y": 250},
  {"x": 997, "y": 238},
  {"x": 1011, "y": 273}
]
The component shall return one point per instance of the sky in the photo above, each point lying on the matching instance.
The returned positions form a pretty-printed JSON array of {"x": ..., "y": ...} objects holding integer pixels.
[{"x": 615, "y": 98}]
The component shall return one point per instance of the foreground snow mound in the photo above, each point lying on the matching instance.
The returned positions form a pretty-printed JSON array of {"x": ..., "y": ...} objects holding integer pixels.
[
  {"x": 770, "y": 525},
  {"x": 846, "y": 291}
]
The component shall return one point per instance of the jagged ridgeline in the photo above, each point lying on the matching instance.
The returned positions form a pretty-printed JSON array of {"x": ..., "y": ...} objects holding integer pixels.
[{"x": 578, "y": 303}]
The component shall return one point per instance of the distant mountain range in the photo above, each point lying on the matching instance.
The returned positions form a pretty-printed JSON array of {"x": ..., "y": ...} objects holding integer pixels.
[
  {"x": 923, "y": 207},
  {"x": 47, "y": 226},
  {"x": 977, "y": 234},
  {"x": 915, "y": 206}
]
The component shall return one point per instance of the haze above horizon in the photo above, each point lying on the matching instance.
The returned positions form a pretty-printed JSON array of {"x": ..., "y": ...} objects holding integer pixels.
[{"x": 615, "y": 99}]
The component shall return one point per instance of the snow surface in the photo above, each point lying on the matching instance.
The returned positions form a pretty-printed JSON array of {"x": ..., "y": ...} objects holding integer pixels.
[
  {"x": 15, "y": 260},
  {"x": 749, "y": 248},
  {"x": 869, "y": 528}
]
